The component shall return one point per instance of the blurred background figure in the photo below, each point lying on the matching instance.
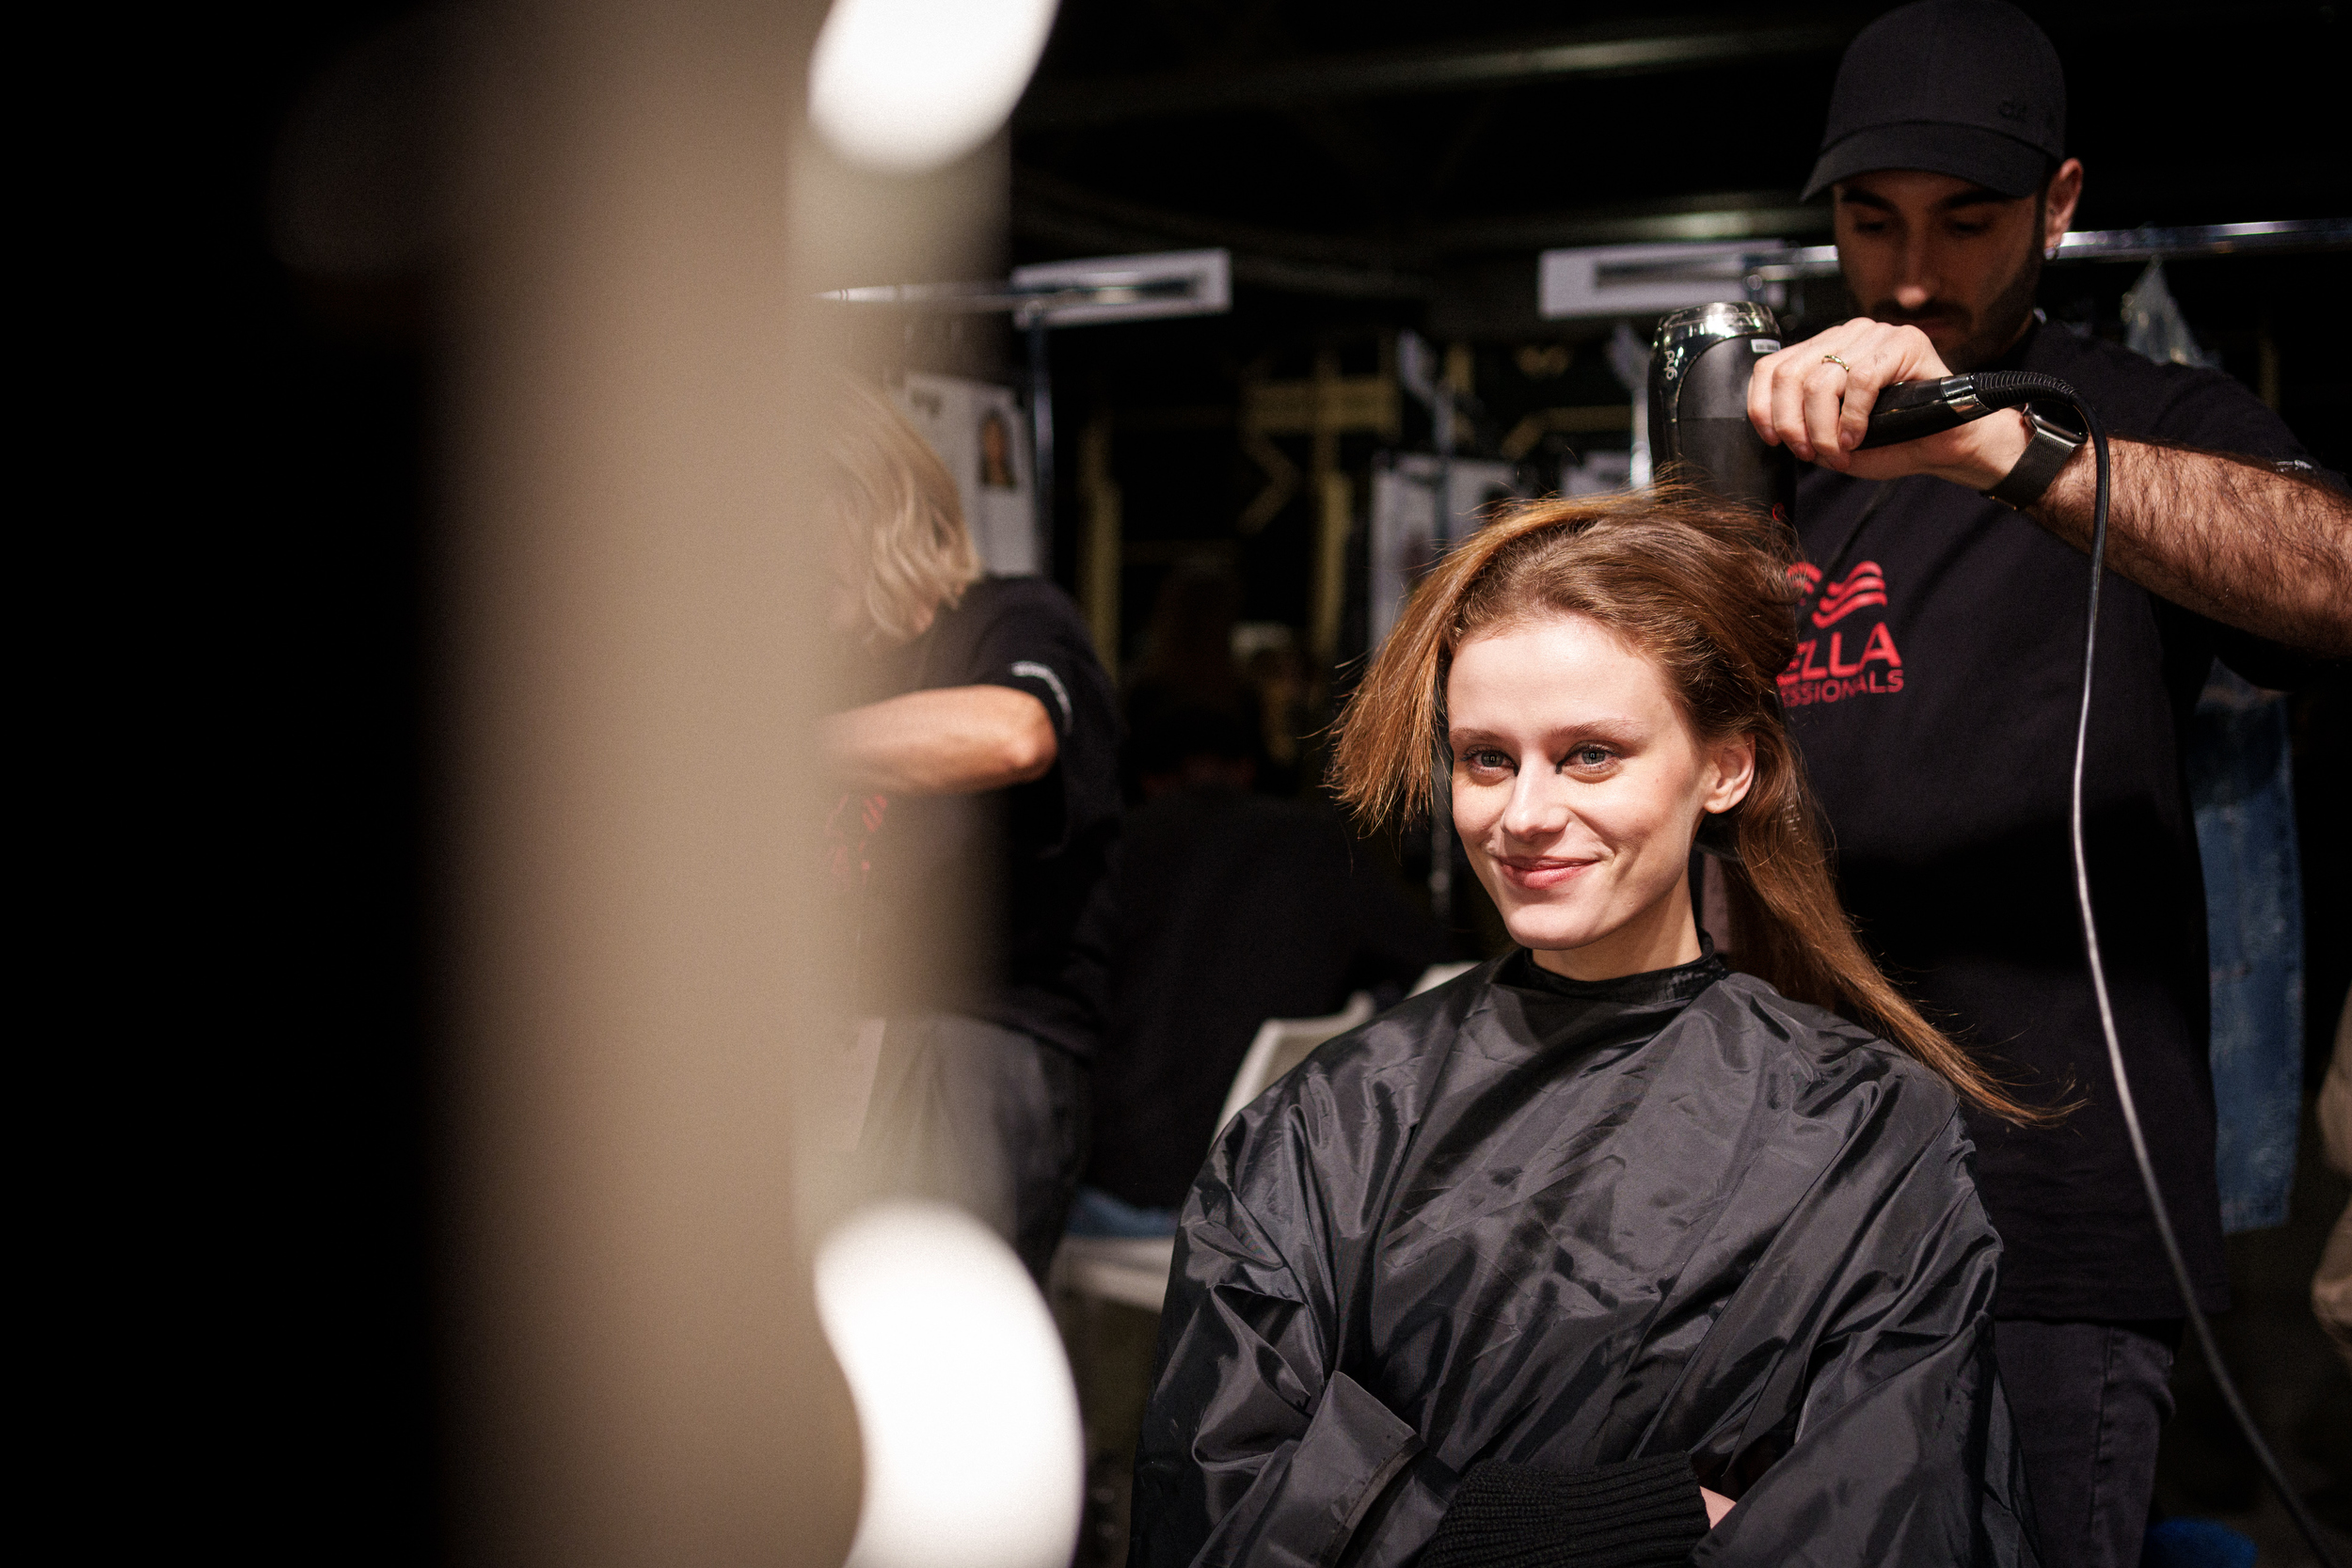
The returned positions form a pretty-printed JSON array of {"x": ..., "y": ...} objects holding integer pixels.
[
  {"x": 977, "y": 758},
  {"x": 1187, "y": 664},
  {"x": 1233, "y": 909},
  {"x": 1287, "y": 717}
]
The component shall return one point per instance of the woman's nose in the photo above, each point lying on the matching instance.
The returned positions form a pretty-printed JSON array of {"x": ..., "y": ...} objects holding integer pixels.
[{"x": 1538, "y": 806}]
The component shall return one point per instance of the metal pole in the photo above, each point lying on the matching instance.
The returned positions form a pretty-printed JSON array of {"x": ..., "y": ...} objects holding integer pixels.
[
  {"x": 1787, "y": 263},
  {"x": 1441, "y": 535},
  {"x": 1041, "y": 427}
]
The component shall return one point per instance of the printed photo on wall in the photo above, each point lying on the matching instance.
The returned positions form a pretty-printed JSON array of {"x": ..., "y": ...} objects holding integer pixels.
[
  {"x": 996, "y": 471},
  {"x": 978, "y": 430}
]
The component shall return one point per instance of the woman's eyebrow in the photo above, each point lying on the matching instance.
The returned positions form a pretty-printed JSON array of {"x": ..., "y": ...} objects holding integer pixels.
[
  {"x": 1607, "y": 727},
  {"x": 1616, "y": 728}
]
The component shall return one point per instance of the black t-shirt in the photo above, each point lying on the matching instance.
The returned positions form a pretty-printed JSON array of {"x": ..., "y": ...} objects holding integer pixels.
[
  {"x": 998, "y": 905},
  {"x": 1233, "y": 908},
  {"x": 1934, "y": 695}
]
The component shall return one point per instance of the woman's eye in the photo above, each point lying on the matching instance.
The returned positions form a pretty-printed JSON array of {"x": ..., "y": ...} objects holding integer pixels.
[
  {"x": 1591, "y": 756},
  {"x": 1489, "y": 762}
]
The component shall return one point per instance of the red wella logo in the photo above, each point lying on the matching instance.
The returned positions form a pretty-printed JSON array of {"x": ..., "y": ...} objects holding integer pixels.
[
  {"x": 1864, "y": 585},
  {"x": 1824, "y": 674}
]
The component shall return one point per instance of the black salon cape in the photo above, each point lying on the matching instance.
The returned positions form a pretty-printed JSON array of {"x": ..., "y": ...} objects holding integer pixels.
[{"x": 1522, "y": 1219}]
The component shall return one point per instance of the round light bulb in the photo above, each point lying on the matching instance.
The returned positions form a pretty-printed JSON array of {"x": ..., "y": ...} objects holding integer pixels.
[
  {"x": 974, "y": 1456},
  {"x": 909, "y": 85}
]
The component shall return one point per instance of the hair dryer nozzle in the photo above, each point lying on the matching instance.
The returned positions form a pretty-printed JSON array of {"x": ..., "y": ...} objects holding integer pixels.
[{"x": 1699, "y": 368}]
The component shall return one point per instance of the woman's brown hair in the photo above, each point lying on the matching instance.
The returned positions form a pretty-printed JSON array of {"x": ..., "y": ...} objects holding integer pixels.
[
  {"x": 897, "y": 504},
  {"x": 1700, "y": 588}
]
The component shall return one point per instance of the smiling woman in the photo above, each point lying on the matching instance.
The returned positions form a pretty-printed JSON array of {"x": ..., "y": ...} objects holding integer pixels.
[
  {"x": 1602, "y": 1254},
  {"x": 1599, "y": 676}
]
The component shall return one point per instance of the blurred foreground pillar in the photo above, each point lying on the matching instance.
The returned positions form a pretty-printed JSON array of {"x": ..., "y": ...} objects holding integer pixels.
[{"x": 640, "y": 1376}]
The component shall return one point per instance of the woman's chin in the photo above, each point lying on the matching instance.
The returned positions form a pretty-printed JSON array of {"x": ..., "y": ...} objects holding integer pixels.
[{"x": 1549, "y": 930}]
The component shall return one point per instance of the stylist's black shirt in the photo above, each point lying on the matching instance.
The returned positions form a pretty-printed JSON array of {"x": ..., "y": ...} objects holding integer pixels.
[
  {"x": 1934, "y": 694},
  {"x": 997, "y": 906}
]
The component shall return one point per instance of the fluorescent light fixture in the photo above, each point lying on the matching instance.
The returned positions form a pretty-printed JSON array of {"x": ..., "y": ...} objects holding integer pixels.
[
  {"x": 1639, "y": 279},
  {"x": 905, "y": 85},
  {"x": 974, "y": 1457},
  {"x": 1206, "y": 279}
]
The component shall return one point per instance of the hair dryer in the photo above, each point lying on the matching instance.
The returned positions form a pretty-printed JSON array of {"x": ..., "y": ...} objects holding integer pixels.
[{"x": 1699, "y": 367}]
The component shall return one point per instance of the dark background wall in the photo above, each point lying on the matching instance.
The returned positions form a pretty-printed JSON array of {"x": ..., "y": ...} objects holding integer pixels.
[{"x": 271, "y": 1271}]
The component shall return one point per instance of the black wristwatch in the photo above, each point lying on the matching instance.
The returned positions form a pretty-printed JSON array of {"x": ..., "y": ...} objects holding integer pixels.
[{"x": 2049, "y": 450}]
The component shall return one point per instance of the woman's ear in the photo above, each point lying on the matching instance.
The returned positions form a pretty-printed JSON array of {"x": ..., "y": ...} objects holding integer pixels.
[{"x": 1734, "y": 762}]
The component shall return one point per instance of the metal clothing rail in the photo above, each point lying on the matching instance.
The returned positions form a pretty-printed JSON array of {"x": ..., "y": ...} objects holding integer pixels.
[
  {"x": 1787, "y": 263},
  {"x": 1027, "y": 305}
]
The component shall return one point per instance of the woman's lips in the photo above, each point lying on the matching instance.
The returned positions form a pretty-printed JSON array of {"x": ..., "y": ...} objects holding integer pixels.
[{"x": 1539, "y": 872}]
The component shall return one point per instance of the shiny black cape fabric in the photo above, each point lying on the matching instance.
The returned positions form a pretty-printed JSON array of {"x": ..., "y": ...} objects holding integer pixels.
[{"x": 1572, "y": 1227}]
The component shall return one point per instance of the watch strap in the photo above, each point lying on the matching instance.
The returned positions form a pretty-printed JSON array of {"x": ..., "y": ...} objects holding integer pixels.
[{"x": 2049, "y": 450}]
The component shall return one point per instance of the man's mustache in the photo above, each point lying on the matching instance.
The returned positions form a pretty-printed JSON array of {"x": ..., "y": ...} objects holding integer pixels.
[{"x": 1894, "y": 315}]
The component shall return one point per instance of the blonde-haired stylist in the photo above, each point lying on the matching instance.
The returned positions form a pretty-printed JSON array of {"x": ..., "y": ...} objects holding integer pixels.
[
  {"x": 1603, "y": 1254},
  {"x": 981, "y": 800}
]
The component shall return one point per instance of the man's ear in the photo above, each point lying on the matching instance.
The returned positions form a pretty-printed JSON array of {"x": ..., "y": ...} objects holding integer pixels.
[
  {"x": 2057, "y": 213},
  {"x": 1735, "y": 772}
]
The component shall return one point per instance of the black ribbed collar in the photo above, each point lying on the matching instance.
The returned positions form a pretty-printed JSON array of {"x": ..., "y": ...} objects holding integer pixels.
[
  {"x": 1537, "y": 1011},
  {"x": 1674, "y": 987}
]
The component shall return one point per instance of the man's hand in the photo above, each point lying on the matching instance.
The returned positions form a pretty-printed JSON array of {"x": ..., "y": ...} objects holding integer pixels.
[
  {"x": 1804, "y": 399},
  {"x": 955, "y": 741},
  {"x": 2234, "y": 540}
]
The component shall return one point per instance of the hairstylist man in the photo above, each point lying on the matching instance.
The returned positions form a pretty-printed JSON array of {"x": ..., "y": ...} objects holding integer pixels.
[{"x": 1936, "y": 692}]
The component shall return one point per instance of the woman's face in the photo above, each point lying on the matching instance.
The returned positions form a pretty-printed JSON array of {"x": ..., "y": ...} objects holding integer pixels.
[{"x": 1578, "y": 787}]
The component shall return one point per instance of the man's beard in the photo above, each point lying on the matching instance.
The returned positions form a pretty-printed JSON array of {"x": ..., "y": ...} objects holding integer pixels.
[{"x": 1991, "y": 334}]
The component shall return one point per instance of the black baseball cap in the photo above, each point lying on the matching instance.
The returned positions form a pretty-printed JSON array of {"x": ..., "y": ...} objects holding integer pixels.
[{"x": 1966, "y": 87}]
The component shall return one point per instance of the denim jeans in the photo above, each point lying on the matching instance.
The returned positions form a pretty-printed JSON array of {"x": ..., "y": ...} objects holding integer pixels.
[{"x": 2243, "y": 792}]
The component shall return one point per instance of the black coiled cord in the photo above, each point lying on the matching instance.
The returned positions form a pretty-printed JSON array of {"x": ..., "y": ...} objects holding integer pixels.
[{"x": 2008, "y": 389}]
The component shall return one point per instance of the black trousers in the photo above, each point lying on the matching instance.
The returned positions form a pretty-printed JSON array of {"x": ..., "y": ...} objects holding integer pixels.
[
  {"x": 985, "y": 1117},
  {"x": 2090, "y": 1399}
]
